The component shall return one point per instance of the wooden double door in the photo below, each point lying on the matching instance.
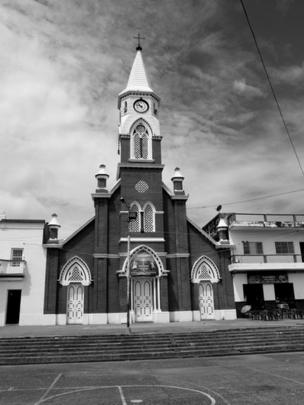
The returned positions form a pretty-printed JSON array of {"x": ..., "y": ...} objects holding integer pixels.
[
  {"x": 75, "y": 303},
  {"x": 143, "y": 299},
  {"x": 206, "y": 301}
]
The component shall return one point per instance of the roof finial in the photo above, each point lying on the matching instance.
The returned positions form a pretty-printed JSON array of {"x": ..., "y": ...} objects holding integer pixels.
[{"x": 138, "y": 37}]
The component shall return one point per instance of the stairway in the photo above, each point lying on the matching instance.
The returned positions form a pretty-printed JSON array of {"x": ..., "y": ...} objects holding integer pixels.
[{"x": 70, "y": 349}]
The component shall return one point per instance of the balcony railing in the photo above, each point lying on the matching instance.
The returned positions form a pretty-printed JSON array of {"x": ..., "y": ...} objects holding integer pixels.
[
  {"x": 272, "y": 258},
  {"x": 11, "y": 268},
  {"x": 267, "y": 220}
]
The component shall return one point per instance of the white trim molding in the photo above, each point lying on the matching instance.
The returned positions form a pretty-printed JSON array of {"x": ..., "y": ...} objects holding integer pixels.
[
  {"x": 144, "y": 249},
  {"x": 106, "y": 256},
  {"x": 204, "y": 269},
  {"x": 244, "y": 267},
  {"x": 75, "y": 271},
  {"x": 177, "y": 255},
  {"x": 149, "y": 239}
]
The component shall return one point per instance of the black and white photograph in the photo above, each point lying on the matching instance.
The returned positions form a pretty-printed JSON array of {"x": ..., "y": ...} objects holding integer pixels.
[{"x": 151, "y": 202}]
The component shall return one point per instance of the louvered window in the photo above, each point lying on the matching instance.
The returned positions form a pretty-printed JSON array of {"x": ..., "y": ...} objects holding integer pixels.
[
  {"x": 134, "y": 224},
  {"x": 140, "y": 142},
  {"x": 148, "y": 219}
]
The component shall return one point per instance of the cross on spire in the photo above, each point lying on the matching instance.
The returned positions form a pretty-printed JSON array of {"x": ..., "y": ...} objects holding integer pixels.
[{"x": 138, "y": 37}]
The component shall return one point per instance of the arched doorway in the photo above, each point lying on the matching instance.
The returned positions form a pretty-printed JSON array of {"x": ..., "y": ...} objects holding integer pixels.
[
  {"x": 146, "y": 269},
  {"x": 205, "y": 273},
  {"x": 75, "y": 274}
]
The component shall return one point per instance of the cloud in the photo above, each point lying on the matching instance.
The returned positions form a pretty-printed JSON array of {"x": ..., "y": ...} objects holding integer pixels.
[
  {"x": 242, "y": 88},
  {"x": 284, "y": 5},
  {"x": 291, "y": 75},
  {"x": 62, "y": 66}
]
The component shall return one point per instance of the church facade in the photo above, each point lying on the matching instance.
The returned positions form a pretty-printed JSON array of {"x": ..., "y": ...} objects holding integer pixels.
[{"x": 139, "y": 259}]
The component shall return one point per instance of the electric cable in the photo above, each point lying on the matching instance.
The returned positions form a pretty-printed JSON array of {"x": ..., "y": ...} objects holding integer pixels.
[{"x": 272, "y": 88}]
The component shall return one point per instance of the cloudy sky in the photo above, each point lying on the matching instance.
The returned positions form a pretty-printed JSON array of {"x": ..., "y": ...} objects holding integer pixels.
[{"x": 63, "y": 62}]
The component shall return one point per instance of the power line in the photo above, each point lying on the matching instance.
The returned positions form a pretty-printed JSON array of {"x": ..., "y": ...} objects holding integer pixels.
[
  {"x": 249, "y": 199},
  {"x": 272, "y": 88}
]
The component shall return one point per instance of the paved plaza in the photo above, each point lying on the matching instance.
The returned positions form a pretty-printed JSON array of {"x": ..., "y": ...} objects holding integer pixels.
[{"x": 237, "y": 380}]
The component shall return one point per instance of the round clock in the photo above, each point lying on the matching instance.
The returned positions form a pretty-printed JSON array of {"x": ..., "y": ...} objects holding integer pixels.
[{"x": 141, "y": 106}]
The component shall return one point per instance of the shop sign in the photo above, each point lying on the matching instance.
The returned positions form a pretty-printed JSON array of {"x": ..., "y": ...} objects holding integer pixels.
[{"x": 267, "y": 278}]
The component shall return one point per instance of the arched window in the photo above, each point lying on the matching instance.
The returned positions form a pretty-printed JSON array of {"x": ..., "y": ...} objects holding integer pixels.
[
  {"x": 75, "y": 271},
  {"x": 149, "y": 222},
  {"x": 140, "y": 142},
  {"x": 134, "y": 225},
  {"x": 204, "y": 269}
]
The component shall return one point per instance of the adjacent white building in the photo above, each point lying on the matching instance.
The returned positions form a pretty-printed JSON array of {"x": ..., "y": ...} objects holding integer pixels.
[
  {"x": 22, "y": 272},
  {"x": 267, "y": 258}
]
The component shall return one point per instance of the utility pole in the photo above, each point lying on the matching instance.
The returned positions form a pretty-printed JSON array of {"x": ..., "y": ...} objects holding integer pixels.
[
  {"x": 128, "y": 280},
  {"x": 131, "y": 217}
]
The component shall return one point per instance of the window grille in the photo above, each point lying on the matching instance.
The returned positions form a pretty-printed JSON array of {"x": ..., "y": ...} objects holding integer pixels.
[
  {"x": 148, "y": 219},
  {"x": 134, "y": 225},
  {"x": 141, "y": 186},
  {"x": 75, "y": 275},
  {"x": 137, "y": 146},
  {"x": 253, "y": 248},
  {"x": 16, "y": 256},
  {"x": 144, "y": 146},
  {"x": 140, "y": 142},
  {"x": 203, "y": 273},
  {"x": 284, "y": 247}
]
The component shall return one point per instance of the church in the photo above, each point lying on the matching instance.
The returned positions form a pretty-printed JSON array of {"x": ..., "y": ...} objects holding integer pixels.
[{"x": 140, "y": 258}]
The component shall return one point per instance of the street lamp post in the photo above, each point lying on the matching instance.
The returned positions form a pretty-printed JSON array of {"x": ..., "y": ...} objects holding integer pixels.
[{"x": 131, "y": 217}]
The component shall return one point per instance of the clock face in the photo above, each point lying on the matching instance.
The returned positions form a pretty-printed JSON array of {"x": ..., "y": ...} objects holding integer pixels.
[{"x": 141, "y": 106}]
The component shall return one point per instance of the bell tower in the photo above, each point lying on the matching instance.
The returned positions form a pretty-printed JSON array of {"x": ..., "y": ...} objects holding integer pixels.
[
  {"x": 140, "y": 166},
  {"x": 138, "y": 116}
]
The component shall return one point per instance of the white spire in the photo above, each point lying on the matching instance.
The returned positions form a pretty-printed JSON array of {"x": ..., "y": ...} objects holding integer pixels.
[{"x": 138, "y": 80}]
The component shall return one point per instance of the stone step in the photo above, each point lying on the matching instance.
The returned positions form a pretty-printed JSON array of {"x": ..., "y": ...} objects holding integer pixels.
[
  {"x": 255, "y": 331},
  {"x": 151, "y": 355},
  {"x": 32, "y": 350},
  {"x": 172, "y": 342},
  {"x": 142, "y": 339}
]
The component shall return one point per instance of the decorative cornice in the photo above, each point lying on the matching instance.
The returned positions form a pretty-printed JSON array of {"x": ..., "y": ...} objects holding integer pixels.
[
  {"x": 123, "y": 95},
  {"x": 101, "y": 195},
  {"x": 154, "y": 137},
  {"x": 141, "y": 160},
  {"x": 106, "y": 256},
  {"x": 180, "y": 197},
  {"x": 141, "y": 165},
  {"x": 178, "y": 255},
  {"x": 53, "y": 245},
  {"x": 160, "y": 254},
  {"x": 148, "y": 239}
]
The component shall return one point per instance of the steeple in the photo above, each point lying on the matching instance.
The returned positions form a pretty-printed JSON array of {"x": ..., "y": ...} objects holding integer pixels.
[
  {"x": 138, "y": 103},
  {"x": 138, "y": 80}
]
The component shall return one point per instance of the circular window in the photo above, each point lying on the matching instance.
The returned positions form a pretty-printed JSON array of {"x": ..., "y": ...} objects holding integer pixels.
[{"x": 141, "y": 186}]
